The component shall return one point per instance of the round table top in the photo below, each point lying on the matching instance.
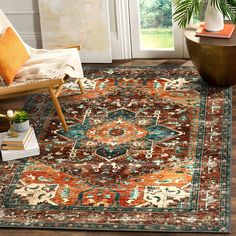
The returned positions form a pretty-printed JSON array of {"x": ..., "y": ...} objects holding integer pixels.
[{"x": 190, "y": 35}]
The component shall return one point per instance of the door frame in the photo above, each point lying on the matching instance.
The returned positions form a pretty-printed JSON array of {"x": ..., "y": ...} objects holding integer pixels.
[
  {"x": 123, "y": 21},
  {"x": 137, "y": 52}
]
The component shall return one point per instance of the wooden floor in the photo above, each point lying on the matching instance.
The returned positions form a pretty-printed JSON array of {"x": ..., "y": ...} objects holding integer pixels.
[{"x": 18, "y": 103}]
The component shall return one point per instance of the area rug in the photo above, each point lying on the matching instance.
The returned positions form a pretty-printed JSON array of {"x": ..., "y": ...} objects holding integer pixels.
[{"x": 148, "y": 149}]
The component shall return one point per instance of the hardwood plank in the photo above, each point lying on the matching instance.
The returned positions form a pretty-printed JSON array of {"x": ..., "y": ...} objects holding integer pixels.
[{"x": 18, "y": 103}]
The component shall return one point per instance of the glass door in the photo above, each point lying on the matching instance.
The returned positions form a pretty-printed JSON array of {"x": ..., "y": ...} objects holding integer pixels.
[{"x": 153, "y": 32}]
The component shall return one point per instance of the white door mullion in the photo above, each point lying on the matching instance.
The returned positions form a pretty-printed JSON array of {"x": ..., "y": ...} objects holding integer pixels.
[{"x": 123, "y": 28}]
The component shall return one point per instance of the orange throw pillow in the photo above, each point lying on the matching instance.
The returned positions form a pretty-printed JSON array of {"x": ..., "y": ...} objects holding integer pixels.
[{"x": 12, "y": 55}]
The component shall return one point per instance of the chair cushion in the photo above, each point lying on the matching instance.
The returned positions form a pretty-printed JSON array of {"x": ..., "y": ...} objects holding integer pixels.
[{"x": 12, "y": 55}]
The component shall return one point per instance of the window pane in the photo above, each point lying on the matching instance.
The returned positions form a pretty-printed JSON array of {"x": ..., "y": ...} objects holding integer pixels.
[{"x": 156, "y": 24}]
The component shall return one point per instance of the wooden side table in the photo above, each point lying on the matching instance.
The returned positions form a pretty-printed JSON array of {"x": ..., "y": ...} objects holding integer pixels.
[{"x": 214, "y": 58}]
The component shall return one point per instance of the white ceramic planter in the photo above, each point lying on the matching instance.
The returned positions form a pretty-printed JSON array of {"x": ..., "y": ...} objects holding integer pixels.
[
  {"x": 21, "y": 127},
  {"x": 214, "y": 19}
]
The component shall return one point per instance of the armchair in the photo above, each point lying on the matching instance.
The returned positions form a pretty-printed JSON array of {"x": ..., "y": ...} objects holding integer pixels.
[{"x": 45, "y": 70}]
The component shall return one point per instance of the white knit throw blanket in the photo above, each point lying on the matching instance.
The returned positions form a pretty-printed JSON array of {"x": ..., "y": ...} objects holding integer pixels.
[{"x": 51, "y": 64}]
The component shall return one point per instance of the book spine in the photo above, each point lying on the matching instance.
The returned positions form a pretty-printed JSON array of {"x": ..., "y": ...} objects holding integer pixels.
[
  {"x": 11, "y": 142},
  {"x": 17, "y": 141},
  {"x": 6, "y": 147},
  {"x": 15, "y": 157}
]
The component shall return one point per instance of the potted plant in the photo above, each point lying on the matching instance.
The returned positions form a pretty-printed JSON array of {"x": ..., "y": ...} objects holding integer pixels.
[
  {"x": 214, "y": 15},
  {"x": 21, "y": 121}
]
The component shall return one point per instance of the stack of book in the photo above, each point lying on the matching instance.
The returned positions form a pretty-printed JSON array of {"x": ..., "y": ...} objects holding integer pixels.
[{"x": 25, "y": 145}]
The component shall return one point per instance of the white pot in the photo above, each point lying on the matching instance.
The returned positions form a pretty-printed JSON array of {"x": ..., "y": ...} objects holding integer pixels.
[
  {"x": 214, "y": 19},
  {"x": 21, "y": 127}
]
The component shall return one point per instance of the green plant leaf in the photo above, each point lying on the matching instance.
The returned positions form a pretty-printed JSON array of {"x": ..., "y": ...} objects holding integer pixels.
[
  {"x": 21, "y": 116},
  {"x": 184, "y": 9}
]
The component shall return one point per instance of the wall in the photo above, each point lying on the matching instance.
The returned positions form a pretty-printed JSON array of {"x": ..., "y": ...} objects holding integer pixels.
[
  {"x": 24, "y": 15},
  {"x": 112, "y": 15}
]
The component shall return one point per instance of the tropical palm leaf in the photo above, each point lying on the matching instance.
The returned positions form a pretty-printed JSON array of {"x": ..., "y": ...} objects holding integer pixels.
[
  {"x": 184, "y": 9},
  {"x": 228, "y": 8}
]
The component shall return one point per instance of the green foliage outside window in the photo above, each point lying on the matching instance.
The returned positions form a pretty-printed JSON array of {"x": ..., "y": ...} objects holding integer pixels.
[{"x": 155, "y": 13}]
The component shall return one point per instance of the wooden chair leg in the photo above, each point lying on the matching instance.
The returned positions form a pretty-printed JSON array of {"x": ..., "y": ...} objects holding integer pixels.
[
  {"x": 58, "y": 91},
  {"x": 80, "y": 85},
  {"x": 58, "y": 108}
]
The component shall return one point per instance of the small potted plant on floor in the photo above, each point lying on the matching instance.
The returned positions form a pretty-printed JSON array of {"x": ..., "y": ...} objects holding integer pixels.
[
  {"x": 214, "y": 15},
  {"x": 21, "y": 121}
]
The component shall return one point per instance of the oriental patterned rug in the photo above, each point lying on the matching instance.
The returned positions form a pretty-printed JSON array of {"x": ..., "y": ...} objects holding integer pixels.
[{"x": 148, "y": 149}]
